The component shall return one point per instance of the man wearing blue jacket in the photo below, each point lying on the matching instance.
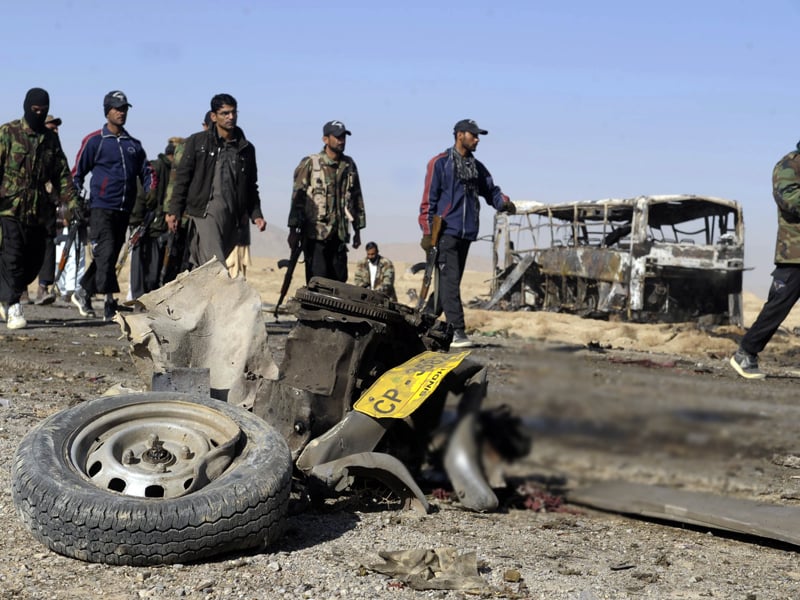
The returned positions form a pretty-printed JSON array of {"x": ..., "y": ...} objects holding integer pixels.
[
  {"x": 115, "y": 160},
  {"x": 453, "y": 182}
]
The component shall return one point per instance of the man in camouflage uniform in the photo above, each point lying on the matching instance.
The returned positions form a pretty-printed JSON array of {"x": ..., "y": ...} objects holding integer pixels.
[
  {"x": 326, "y": 199},
  {"x": 376, "y": 272},
  {"x": 30, "y": 156},
  {"x": 147, "y": 257},
  {"x": 785, "y": 289}
]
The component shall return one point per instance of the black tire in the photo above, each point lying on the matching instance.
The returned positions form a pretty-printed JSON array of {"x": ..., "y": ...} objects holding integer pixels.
[{"x": 243, "y": 507}]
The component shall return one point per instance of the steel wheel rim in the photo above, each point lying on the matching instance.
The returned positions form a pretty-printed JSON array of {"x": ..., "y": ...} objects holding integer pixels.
[{"x": 155, "y": 449}]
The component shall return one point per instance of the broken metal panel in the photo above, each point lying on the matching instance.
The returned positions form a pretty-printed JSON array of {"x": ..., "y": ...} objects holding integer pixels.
[
  {"x": 738, "y": 515},
  {"x": 188, "y": 323},
  {"x": 635, "y": 256}
]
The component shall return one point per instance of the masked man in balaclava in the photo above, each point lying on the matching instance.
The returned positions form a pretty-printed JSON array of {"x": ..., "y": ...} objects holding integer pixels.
[{"x": 30, "y": 156}]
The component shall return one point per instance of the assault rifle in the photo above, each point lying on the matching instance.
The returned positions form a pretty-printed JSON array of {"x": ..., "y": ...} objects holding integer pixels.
[
  {"x": 290, "y": 264},
  {"x": 73, "y": 233},
  {"x": 173, "y": 260},
  {"x": 430, "y": 261},
  {"x": 135, "y": 239}
]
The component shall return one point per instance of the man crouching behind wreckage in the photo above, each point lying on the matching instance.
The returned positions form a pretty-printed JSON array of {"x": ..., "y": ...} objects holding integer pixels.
[{"x": 327, "y": 409}]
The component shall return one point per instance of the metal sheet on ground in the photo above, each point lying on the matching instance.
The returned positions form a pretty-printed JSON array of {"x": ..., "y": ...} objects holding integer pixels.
[{"x": 772, "y": 521}]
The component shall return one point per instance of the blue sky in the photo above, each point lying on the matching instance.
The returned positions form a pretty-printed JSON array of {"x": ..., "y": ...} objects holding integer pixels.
[{"x": 582, "y": 99}]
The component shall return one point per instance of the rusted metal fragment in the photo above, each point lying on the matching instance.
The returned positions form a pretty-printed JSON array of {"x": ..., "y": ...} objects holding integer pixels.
[
  {"x": 771, "y": 521},
  {"x": 511, "y": 280}
]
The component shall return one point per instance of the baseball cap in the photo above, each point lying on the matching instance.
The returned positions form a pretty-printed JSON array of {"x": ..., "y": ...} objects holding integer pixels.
[
  {"x": 335, "y": 128},
  {"x": 469, "y": 125},
  {"x": 115, "y": 99},
  {"x": 54, "y": 120}
]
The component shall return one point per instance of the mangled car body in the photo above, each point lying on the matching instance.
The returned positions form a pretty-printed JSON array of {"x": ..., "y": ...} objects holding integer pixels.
[
  {"x": 664, "y": 258},
  {"x": 185, "y": 471}
]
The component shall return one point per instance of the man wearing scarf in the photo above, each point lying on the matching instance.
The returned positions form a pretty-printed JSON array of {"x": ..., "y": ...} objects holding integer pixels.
[
  {"x": 30, "y": 157},
  {"x": 453, "y": 182}
]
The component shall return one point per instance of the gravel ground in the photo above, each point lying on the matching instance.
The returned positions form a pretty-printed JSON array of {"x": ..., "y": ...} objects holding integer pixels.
[{"x": 597, "y": 415}]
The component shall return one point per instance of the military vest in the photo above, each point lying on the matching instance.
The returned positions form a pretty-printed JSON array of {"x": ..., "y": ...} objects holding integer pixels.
[{"x": 322, "y": 210}]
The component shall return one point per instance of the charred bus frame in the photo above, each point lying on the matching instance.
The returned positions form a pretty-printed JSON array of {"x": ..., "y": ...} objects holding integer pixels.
[{"x": 663, "y": 258}]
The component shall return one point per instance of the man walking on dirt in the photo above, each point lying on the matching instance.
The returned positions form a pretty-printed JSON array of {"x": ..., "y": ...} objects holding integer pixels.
[
  {"x": 453, "y": 182},
  {"x": 326, "y": 200},
  {"x": 785, "y": 289},
  {"x": 216, "y": 184},
  {"x": 115, "y": 160},
  {"x": 30, "y": 157}
]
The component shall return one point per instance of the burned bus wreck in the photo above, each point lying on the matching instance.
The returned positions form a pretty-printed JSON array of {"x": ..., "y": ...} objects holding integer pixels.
[{"x": 649, "y": 258}]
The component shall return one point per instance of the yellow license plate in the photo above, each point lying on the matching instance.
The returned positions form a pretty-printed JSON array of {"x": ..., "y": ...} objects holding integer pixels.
[{"x": 401, "y": 390}]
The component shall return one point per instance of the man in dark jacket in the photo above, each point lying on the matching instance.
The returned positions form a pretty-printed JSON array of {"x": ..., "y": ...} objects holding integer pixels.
[
  {"x": 115, "y": 160},
  {"x": 453, "y": 182},
  {"x": 30, "y": 157},
  {"x": 216, "y": 185}
]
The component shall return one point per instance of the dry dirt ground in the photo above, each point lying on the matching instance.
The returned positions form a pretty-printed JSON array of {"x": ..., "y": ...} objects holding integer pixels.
[{"x": 598, "y": 411}]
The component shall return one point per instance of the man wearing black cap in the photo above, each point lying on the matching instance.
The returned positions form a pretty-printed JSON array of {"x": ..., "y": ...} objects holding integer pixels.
[
  {"x": 216, "y": 185},
  {"x": 24, "y": 202},
  {"x": 453, "y": 182},
  {"x": 147, "y": 256},
  {"x": 116, "y": 160},
  {"x": 326, "y": 200}
]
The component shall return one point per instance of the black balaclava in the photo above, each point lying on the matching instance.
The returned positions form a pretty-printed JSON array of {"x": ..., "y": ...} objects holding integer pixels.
[{"x": 36, "y": 97}]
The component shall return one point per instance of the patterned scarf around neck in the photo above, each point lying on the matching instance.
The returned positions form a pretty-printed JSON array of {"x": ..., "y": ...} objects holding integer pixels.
[{"x": 466, "y": 171}]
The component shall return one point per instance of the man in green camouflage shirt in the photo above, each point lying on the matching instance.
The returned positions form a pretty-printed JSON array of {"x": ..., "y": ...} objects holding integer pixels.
[
  {"x": 30, "y": 156},
  {"x": 785, "y": 289},
  {"x": 376, "y": 272},
  {"x": 326, "y": 200}
]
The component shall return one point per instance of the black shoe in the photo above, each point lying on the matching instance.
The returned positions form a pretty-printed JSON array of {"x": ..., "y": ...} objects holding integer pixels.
[
  {"x": 110, "y": 308},
  {"x": 460, "y": 340},
  {"x": 81, "y": 299}
]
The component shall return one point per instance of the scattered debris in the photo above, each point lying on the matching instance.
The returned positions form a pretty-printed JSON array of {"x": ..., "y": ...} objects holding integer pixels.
[
  {"x": 437, "y": 569},
  {"x": 786, "y": 460}
]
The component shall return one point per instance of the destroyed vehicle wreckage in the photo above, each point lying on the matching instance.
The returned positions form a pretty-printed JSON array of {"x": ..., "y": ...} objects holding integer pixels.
[
  {"x": 649, "y": 258},
  {"x": 174, "y": 476}
]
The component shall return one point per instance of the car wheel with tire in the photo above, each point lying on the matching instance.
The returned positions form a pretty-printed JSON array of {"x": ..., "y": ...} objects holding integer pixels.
[{"x": 154, "y": 478}]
